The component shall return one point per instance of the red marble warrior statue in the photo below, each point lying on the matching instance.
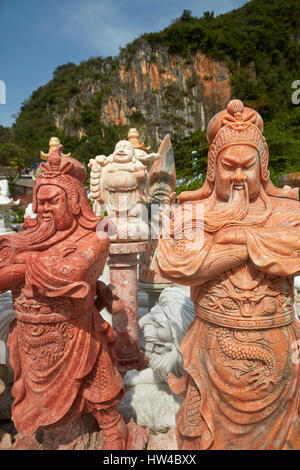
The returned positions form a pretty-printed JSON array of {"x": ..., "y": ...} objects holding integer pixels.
[
  {"x": 61, "y": 349},
  {"x": 241, "y": 361}
]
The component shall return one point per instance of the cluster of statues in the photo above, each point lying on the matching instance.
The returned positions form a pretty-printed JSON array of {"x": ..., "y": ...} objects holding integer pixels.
[{"x": 230, "y": 352}]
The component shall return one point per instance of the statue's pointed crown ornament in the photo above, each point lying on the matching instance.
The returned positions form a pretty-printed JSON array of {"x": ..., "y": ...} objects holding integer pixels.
[
  {"x": 54, "y": 142},
  {"x": 59, "y": 164}
]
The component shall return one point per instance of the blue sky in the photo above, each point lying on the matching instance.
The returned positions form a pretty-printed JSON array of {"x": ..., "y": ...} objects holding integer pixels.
[{"x": 38, "y": 35}]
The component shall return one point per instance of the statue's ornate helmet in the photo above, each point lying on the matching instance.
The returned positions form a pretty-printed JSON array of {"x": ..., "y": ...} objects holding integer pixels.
[
  {"x": 64, "y": 172},
  {"x": 236, "y": 125}
]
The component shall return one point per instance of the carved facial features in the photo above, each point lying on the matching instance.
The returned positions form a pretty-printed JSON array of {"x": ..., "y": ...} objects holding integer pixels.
[
  {"x": 53, "y": 207},
  {"x": 156, "y": 328},
  {"x": 164, "y": 357},
  {"x": 124, "y": 152},
  {"x": 237, "y": 167}
]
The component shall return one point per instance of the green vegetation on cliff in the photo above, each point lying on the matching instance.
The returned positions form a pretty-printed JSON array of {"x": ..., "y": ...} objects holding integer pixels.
[{"x": 260, "y": 42}]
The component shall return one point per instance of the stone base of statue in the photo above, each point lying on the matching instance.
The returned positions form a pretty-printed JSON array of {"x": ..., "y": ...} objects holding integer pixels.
[
  {"x": 80, "y": 433},
  {"x": 123, "y": 262},
  {"x": 151, "y": 402},
  {"x": 163, "y": 440}
]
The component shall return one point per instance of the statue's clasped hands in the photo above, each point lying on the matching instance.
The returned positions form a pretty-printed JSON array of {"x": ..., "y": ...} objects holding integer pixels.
[{"x": 230, "y": 235}]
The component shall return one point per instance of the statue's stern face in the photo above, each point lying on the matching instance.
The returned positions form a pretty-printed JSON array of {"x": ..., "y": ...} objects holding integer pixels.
[
  {"x": 237, "y": 167},
  {"x": 53, "y": 207}
]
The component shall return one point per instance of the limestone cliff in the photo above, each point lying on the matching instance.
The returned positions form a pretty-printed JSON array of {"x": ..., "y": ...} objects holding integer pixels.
[
  {"x": 154, "y": 89},
  {"x": 173, "y": 81}
]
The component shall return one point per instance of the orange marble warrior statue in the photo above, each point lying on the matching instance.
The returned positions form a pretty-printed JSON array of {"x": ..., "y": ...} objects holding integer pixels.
[
  {"x": 61, "y": 349},
  {"x": 241, "y": 362}
]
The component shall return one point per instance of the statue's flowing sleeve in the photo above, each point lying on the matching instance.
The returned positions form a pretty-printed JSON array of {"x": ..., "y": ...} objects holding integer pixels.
[
  {"x": 67, "y": 273},
  {"x": 183, "y": 247},
  {"x": 275, "y": 249},
  {"x": 11, "y": 274},
  {"x": 179, "y": 266}
]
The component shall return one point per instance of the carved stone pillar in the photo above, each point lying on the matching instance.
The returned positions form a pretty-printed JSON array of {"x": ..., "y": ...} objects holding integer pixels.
[{"x": 123, "y": 262}]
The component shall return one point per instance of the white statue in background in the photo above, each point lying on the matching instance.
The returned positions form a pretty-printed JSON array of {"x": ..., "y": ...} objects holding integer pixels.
[
  {"x": 5, "y": 199},
  {"x": 29, "y": 213},
  {"x": 6, "y": 371},
  {"x": 4, "y": 191},
  {"x": 118, "y": 185},
  {"x": 6, "y": 308},
  {"x": 149, "y": 398},
  {"x": 297, "y": 296},
  {"x": 6, "y": 316},
  {"x": 6, "y": 203},
  {"x": 164, "y": 327}
]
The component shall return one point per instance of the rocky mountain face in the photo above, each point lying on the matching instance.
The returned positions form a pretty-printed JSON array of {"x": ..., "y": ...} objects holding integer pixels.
[
  {"x": 173, "y": 81},
  {"x": 162, "y": 92}
]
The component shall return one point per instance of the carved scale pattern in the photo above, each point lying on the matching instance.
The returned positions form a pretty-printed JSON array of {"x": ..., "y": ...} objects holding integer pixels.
[
  {"x": 193, "y": 415},
  {"x": 235, "y": 350},
  {"x": 44, "y": 344},
  {"x": 98, "y": 376}
]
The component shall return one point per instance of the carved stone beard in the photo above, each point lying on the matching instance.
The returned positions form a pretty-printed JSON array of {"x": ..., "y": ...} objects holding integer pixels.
[
  {"x": 40, "y": 237},
  {"x": 44, "y": 231},
  {"x": 166, "y": 362},
  {"x": 235, "y": 208},
  {"x": 235, "y": 211}
]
